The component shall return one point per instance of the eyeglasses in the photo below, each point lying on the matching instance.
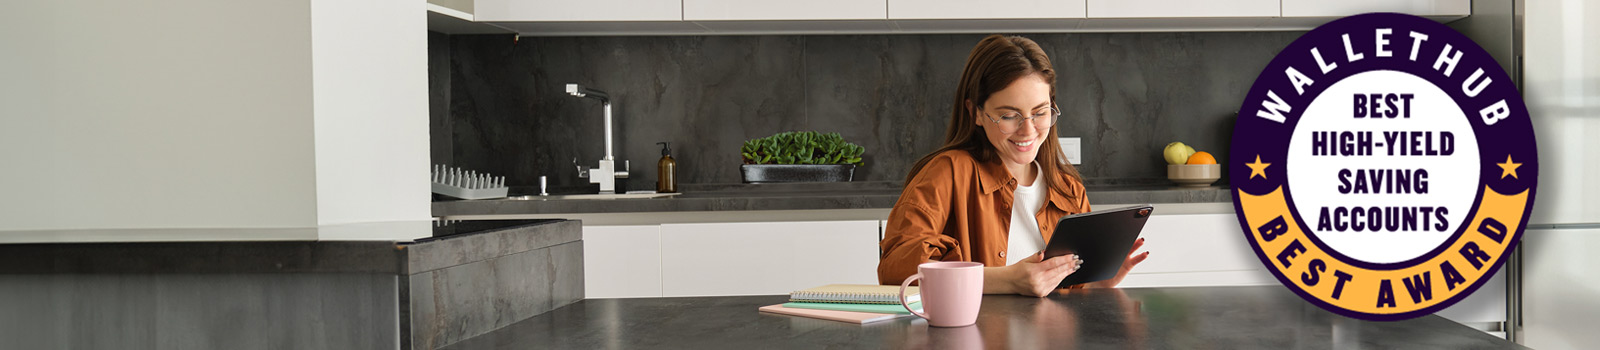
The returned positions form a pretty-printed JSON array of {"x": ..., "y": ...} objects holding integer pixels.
[{"x": 1011, "y": 121}]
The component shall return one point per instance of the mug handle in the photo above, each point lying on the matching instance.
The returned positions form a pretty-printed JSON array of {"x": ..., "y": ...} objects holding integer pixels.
[{"x": 903, "y": 303}]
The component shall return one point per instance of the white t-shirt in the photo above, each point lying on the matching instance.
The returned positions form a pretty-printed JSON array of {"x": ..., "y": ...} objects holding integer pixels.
[{"x": 1024, "y": 238}]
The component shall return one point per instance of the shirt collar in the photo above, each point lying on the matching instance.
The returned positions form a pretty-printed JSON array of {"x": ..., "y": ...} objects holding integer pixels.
[{"x": 992, "y": 175}]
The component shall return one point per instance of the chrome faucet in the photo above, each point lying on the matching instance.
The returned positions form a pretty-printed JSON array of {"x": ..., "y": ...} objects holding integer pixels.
[{"x": 605, "y": 173}]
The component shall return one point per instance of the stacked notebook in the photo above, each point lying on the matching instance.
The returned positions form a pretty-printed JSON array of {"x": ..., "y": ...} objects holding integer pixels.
[{"x": 854, "y": 303}]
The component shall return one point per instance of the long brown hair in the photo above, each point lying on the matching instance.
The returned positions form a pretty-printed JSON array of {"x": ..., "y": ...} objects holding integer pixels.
[{"x": 993, "y": 65}]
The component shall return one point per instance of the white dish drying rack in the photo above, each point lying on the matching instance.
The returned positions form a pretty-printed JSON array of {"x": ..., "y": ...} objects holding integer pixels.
[{"x": 467, "y": 184}]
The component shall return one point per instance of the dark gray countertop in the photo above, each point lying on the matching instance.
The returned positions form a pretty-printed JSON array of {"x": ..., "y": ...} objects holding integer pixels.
[
  {"x": 1263, "y": 317},
  {"x": 804, "y": 196},
  {"x": 450, "y": 245}
]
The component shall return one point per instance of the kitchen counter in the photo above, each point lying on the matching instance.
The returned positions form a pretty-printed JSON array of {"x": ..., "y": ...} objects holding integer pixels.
[
  {"x": 805, "y": 196},
  {"x": 251, "y": 251},
  {"x": 1263, "y": 317}
]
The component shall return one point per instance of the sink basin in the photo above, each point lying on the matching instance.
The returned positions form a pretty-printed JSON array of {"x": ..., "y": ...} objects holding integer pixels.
[{"x": 593, "y": 196}]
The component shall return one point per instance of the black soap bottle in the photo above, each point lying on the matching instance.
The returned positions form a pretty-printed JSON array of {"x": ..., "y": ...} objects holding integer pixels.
[{"x": 666, "y": 170}]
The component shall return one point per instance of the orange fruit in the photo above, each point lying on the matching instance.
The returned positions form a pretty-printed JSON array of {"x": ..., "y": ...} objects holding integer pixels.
[{"x": 1202, "y": 158}]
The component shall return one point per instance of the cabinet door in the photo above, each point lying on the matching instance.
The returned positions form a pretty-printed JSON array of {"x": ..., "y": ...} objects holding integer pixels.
[
  {"x": 1323, "y": 8},
  {"x": 973, "y": 9},
  {"x": 582, "y": 10},
  {"x": 1182, "y": 8},
  {"x": 736, "y": 10},
  {"x": 1197, "y": 250},
  {"x": 767, "y": 257},
  {"x": 621, "y": 261}
]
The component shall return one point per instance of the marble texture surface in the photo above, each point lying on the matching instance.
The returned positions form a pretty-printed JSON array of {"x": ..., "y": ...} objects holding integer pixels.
[
  {"x": 466, "y": 284},
  {"x": 199, "y": 311},
  {"x": 473, "y": 278},
  {"x": 1260, "y": 317},
  {"x": 1126, "y": 94}
]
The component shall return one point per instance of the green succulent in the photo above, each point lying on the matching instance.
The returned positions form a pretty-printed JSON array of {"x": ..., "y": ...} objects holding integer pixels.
[{"x": 802, "y": 147}]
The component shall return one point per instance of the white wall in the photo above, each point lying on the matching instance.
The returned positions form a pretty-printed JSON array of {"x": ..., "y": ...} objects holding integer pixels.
[
  {"x": 167, "y": 113},
  {"x": 211, "y": 114},
  {"x": 371, "y": 84}
]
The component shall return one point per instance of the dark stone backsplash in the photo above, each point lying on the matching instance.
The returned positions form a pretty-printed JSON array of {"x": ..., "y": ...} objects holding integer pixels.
[{"x": 505, "y": 110}]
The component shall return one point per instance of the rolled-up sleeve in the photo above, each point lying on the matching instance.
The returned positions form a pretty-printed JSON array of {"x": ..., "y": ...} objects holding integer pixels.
[{"x": 915, "y": 231}]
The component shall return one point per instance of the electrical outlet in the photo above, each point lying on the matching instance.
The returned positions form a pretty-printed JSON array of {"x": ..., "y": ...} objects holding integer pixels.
[{"x": 1072, "y": 149}]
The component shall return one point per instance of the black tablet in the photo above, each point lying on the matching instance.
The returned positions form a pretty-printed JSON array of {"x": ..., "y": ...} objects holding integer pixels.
[{"x": 1101, "y": 238}]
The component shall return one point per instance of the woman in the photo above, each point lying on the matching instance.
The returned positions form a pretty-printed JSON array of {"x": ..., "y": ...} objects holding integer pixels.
[{"x": 994, "y": 191}]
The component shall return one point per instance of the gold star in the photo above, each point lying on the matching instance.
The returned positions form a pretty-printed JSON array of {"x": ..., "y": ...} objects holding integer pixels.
[
  {"x": 1258, "y": 168},
  {"x": 1508, "y": 168}
]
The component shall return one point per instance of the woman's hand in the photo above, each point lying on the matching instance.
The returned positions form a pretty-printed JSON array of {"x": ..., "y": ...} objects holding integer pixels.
[
  {"x": 1127, "y": 265},
  {"x": 1033, "y": 276}
]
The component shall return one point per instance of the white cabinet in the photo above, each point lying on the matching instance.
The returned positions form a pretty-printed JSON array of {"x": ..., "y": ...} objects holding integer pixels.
[
  {"x": 1182, "y": 8},
  {"x": 1324, "y": 8},
  {"x": 622, "y": 261},
  {"x": 578, "y": 10},
  {"x": 974, "y": 9},
  {"x": 742, "y": 17},
  {"x": 762, "y": 10},
  {"x": 766, "y": 258},
  {"x": 1197, "y": 250}
]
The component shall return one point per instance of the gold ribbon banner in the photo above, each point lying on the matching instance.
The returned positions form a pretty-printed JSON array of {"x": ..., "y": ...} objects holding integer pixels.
[{"x": 1410, "y": 288}]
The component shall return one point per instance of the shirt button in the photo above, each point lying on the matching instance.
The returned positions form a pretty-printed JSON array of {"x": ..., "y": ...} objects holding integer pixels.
[{"x": 1002, "y": 254}]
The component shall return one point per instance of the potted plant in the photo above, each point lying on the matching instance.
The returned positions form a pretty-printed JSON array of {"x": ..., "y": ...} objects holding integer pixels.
[{"x": 800, "y": 156}]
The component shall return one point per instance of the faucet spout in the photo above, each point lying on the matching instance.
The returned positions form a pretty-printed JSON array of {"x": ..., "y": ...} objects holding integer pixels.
[
  {"x": 605, "y": 173},
  {"x": 605, "y": 99}
]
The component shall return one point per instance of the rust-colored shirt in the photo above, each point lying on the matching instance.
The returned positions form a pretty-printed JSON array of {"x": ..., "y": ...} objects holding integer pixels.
[{"x": 959, "y": 209}]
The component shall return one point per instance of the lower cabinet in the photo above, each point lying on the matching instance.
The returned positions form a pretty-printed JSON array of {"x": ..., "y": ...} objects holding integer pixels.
[
  {"x": 710, "y": 259},
  {"x": 766, "y": 257},
  {"x": 1197, "y": 250},
  {"x": 621, "y": 261}
]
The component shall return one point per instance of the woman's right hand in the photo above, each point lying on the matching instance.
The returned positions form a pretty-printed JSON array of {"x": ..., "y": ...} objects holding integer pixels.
[{"x": 1037, "y": 276}]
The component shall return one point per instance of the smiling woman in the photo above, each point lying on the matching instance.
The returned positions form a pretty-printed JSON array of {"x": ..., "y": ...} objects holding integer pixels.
[{"x": 983, "y": 196}]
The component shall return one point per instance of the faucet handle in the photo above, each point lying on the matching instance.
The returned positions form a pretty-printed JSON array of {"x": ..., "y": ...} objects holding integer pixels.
[
  {"x": 624, "y": 173},
  {"x": 582, "y": 173}
]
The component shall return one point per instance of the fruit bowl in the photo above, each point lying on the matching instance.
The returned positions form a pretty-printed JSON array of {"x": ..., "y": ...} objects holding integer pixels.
[{"x": 1198, "y": 175}]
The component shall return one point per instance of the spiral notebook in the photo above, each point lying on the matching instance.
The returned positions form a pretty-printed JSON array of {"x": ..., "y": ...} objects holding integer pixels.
[{"x": 855, "y": 293}]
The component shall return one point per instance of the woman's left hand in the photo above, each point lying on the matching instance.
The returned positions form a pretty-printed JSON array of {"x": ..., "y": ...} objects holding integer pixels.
[{"x": 1127, "y": 265}]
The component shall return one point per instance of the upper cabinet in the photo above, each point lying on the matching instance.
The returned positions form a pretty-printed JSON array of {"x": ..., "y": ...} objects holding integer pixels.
[
  {"x": 455, "y": 17},
  {"x": 702, "y": 17},
  {"x": 1425, "y": 8},
  {"x": 579, "y": 10},
  {"x": 768, "y": 10},
  {"x": 1182, "y": 8},
  {"x": 974, "y": 9}
]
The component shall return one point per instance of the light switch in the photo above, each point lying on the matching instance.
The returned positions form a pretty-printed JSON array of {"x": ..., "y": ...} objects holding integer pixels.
[{"x": 1072, "y": 149}]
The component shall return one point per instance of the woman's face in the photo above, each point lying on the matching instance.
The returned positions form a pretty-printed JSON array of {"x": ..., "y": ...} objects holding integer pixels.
[{"x": 1026, "y": 97}]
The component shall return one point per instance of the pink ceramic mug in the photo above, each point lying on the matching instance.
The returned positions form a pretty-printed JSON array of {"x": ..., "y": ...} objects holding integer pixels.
[{"x": 951, "y": 292}]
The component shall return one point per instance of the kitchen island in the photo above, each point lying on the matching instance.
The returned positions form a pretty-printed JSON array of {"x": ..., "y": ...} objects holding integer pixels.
[
  {"x": 248, "y": 288},
  {"x": 1265, "y": 317}
]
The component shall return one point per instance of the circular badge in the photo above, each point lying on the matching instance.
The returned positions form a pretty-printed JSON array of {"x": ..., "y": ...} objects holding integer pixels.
[{"x": 1383, "y": 166}]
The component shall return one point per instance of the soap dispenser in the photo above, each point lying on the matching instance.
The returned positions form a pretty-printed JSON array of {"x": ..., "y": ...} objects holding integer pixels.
[{"x": 666, "y": 170}]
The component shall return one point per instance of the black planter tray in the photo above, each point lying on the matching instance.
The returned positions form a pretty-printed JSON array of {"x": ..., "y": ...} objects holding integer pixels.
[{"x": 770, "y": 173}]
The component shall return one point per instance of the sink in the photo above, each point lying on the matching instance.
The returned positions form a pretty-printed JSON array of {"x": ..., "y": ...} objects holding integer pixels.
[{"x": 593, "y": 196}]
